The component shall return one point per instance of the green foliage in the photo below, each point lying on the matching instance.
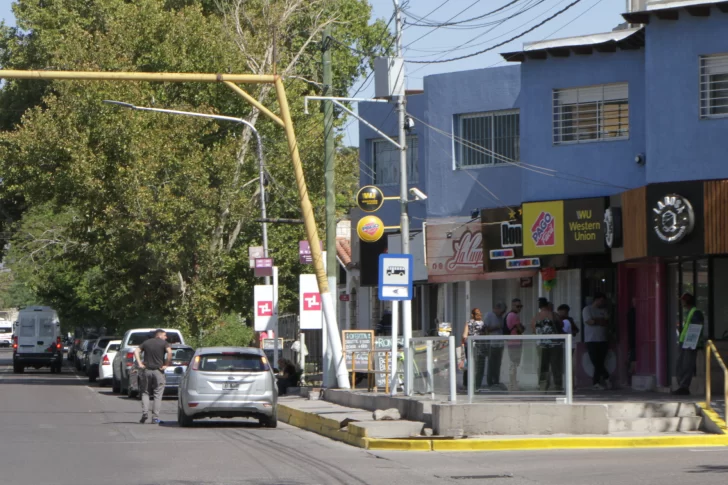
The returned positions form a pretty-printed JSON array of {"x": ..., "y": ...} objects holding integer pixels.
[
  {"x": 229, "y": 331},
  {"x": 117, "y": 217}
]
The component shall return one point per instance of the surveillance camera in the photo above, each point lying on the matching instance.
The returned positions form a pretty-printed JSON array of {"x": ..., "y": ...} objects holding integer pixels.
[
  {"x": 417, "y": 194},
  {"x": 409, "y": 123},
  {"x": 640, "y": 159}
]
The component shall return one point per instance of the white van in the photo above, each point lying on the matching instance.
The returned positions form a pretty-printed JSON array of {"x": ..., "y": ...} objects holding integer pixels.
[
  {"x": 6, "y": 330},
  {"x": 37, "y": 340}
]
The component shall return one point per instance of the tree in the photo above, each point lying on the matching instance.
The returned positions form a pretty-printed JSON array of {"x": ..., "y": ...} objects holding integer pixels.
[{"x": 156, "y": 212}]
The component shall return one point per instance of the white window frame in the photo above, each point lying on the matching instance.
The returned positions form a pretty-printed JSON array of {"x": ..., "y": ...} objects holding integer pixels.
[
  {"x": 460, "y": 147},
  {"x": 413, "y": 172},
  {"x": 712, "y": 65},
  {"x": 597, "y": 95}
]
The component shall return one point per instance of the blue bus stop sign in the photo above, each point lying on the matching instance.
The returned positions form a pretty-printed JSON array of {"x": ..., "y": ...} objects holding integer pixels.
[{"x": 395, "y": 277}]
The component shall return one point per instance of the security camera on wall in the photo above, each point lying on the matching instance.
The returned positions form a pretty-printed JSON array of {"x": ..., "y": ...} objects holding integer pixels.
[
  {"x": 417, "y": 194},
  {"x": 640, "y": 159}
]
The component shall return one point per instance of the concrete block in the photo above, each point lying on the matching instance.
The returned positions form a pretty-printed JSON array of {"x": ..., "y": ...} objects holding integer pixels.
[
  {"x": 386, "y": 429},
  {"x": 391, "y": 414},
  {"x": 519, "y": 419},
  {"x": 634, "y": 410},
  {"x": 655, "y": 425}
]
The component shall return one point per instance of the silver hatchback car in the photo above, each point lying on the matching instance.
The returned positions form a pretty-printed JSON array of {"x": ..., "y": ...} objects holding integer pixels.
[{"x": 228, "y": 382}]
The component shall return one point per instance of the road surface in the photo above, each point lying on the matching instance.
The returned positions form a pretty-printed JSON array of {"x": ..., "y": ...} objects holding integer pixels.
[{"x": 56, "y": 429}]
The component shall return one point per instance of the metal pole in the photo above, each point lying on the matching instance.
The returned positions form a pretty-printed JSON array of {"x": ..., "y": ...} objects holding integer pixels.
[
  {"x": 263, "y": 213},
  {"x": 471, "y": 368},
  {"x": 302, "y": 358},
  {"x": 430, "y": 369},
  {"x": 404, "y": 216},
  {"x": 275, "y": 316},
  {"x": 342, "y": 376},
  {"x": 395, "y": 360},
  {"x": 453, "y": 369},
  {"x": 569, "y": 367}
]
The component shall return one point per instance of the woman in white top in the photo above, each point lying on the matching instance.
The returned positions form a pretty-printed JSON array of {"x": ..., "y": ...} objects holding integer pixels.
[{"x": 474, "y": 327}]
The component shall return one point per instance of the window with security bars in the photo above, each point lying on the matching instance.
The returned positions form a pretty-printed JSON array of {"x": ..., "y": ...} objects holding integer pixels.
[
  {"x": 594, "y": 113},
  {"x": 714, "y": 86},
  {"x": 488, "y": 138},
  {"x": 385, "y": 162}
]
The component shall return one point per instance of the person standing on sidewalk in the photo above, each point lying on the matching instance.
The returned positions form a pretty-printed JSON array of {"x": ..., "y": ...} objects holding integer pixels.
[
  {"x": 596, "y": 323},
  {"x": 476, "y": 362},
  {"x": 157, "y": 357},
  {"x": 494, "y": 326},
  {"x": 687, "y": 356},
  {"x": 513, "y": 326}
]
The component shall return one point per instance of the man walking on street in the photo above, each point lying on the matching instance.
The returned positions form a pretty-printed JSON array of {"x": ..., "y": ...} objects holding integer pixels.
[
  {"x": 596, "y": 336},
  {"x": 687, "y": 353},
  {"x": 151, "y": 372}
]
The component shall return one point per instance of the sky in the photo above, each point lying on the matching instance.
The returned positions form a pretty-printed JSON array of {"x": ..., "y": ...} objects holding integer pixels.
[{"x": 428, "y": 43}]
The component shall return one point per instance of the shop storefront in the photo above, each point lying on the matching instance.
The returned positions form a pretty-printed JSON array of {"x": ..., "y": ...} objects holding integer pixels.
[{"x": 674, "y": 241}]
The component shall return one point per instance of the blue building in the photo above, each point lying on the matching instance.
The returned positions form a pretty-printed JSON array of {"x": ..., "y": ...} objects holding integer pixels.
[{"x": 618, "y": 140}]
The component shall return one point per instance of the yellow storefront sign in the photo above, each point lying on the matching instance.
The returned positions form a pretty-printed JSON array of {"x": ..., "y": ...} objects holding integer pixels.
[{"x": 543, "y": 228}]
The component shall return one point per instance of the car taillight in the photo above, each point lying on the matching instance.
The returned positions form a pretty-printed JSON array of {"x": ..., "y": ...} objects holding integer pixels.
[
  {"x": 15, "y": 342},
  {"x": 196, "y": 363},
  {"x": 59, "y": 344},
  {"x": 130, "y": 359},
  {"x": 106, "y": 360}
]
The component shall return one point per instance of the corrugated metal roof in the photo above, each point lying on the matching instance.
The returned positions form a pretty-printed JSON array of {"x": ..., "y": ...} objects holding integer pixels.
[{"x": 584, "y": 40}]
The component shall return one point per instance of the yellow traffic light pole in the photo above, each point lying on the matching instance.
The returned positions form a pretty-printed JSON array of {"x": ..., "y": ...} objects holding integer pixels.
[{"x": 284, "y": 120}]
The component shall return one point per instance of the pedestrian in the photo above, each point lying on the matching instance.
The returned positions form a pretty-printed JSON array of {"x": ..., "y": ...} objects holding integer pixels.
[
  {"x": 384, "y": 327},
  {"x": 151, "y": 370},
  {"x": 687, "y": 356},
  {"x": 596, "y": 323},
  {"x": 513, "y": 326},
  {"x": 546, "y": 322},
  {"x": 570, "y": 327},
  {"x": 493, "y": 325},
  {"x": 474, "y": 327}
]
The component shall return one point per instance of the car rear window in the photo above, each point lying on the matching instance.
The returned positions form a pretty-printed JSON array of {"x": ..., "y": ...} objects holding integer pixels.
[
  {"x": 6, "y": 329},
  {"x": 139, "y": 338},
  {"x": 233, "y": 362},
  {"x": 182, "y": 355},
  {"x": 103, "y": 343}
]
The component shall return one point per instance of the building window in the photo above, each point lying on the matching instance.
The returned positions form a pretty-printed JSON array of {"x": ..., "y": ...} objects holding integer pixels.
[
  {"x": 714, "y": 86},
  {"x": 488, "y": 138},
  {"x": 385, "y": 162},
  {"x": 591, "y": 113}
]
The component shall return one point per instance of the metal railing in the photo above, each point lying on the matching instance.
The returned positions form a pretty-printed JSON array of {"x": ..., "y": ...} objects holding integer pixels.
[
  {"x": 710, "y": 349},
  {"x": 534, "y": 362},
  {"x": 432, "y": 368}
]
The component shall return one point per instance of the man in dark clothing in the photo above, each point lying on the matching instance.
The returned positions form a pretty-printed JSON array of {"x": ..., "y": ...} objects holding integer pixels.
[
  {"x": 157, "y": 357},
  {"x": 687, "y": 356}
]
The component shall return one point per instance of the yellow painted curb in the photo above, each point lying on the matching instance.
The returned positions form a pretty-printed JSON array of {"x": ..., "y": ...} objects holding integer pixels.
[
  {"x": 714, "y": 417},
  {"x": 398, "y": 445},
  {"x": 579, "y": 442}
]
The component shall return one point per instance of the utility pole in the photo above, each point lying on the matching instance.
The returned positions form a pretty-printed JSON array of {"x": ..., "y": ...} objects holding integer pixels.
[
  {"x": 403, "y": 194},
  {"x": 329, "y": 170}
]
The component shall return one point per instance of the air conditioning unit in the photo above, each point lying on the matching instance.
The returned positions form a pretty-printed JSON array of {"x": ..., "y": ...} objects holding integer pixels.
[{"x": 388, "y": 77}]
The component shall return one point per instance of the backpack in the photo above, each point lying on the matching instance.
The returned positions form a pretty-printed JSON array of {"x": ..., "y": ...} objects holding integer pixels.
[{"x": 506, "y": 330}]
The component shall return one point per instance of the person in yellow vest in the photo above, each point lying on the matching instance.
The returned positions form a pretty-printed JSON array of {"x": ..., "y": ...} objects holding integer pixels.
[{"x": 687, "y": 357}]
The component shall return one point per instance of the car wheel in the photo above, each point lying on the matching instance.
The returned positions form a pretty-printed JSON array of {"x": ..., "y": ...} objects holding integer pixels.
[
  {"x": 269, "y": 422},
  {"x": 115, "y": 387},
  {"x": 18, "y": 369},
  {"x": 182, "y": 419}
]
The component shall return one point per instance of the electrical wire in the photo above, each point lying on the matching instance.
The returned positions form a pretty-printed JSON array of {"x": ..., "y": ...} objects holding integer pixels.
[
  {"x": 435, "y": 28},
  {"x": 460, "y": 23},
  {"x": 441, "y": 61}
]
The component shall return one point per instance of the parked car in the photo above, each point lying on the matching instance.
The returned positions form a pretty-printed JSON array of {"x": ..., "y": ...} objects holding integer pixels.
[
  {"x": 37, "y": 340},
  {"x": 93, "y": 358},
  {"x": 6, "y": 333},
  {"x": 181, "y": 357},
  {"x": 105, "y": 372},
  {"x": 125, "y": 378},
  {"x": 228, "y": 382},
  {"x": 81, "y": 352}
]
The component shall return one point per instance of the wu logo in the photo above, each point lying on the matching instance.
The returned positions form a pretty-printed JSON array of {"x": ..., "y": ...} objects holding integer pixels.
[{"x": 585, "y": 214}]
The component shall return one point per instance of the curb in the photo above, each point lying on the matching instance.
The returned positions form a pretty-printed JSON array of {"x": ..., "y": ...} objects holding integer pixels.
[
  {"x": 356, "y": 436},
  {"x": 719, "y": 426}
]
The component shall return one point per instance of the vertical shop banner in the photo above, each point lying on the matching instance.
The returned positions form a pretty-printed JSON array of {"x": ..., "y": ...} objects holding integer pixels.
[
  {"x": 543, "y": 228},
  {"x": 263, "y": 297},
  {"x": 584, "y": 226},
  {"x": 454, "y": 252},
  {"x": 309, "y": 303}
]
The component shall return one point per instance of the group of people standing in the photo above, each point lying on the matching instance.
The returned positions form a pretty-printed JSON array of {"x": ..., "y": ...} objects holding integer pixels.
[{"x": 547, "y": 321}]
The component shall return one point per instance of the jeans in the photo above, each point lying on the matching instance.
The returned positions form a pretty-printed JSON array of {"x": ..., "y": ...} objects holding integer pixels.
[
  {"x": 151, "y": 382},
  {"x": 686, "y": 367},
  {"x": 598, "y": 354},
  {"x": 476, "y": 363},
  {"x": 552, "y": 359}
]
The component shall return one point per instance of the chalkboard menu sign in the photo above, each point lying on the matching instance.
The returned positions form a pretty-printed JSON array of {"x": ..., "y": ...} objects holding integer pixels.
[
  {"x": 380, "y": 358},
  {"x": 357, "y": 344}
]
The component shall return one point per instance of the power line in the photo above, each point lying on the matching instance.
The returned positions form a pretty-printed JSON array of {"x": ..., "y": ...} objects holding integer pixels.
[
  {"x": 441, "y": 61},
  {"x": 460, "y": 22},
  {"x": 434, "y": 29}
]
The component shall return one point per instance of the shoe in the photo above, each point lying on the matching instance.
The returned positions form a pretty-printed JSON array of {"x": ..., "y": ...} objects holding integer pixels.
[
  {"x": 143, "y": 420},
  {"x": 598, "y": 387},
  {"x": 155, "y": 421},
  {"x": 681, "y": 392}
]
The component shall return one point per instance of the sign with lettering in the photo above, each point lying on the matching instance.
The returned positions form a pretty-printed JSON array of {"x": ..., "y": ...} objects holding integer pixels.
[
  {"x": 369, "y": 198},
  {"x": 381, "y": 359},
  {"x": 543, "y": 224},
  {"x": 584, "y": 226},
  {"x": 454, "y": 252},
  {"x": 502, "y": 239},
  {"x": 255, "y": 252},
  {"x": 523, "y": 263},
  {"x": 263, "y": 267},
  {"x": 310, "y": 310},
  {"x": 673, "y": 218},
  {"x": 304, "y": 252},
  {"x": 264, "y": 307},
  {"x": 356, "y": 345}
]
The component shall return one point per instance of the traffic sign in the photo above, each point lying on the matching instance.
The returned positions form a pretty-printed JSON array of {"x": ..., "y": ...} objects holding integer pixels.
[
  {"x": 370, "y": 198},
  {"x": 263, "y": 267},
  {"x": 309, "y": 303},
  {"x": 395, "y": 276},
  {"x": 264, "y": 307}
]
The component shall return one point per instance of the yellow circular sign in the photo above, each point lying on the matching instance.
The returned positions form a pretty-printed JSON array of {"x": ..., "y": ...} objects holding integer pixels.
[{"x": 370, "y": 229}]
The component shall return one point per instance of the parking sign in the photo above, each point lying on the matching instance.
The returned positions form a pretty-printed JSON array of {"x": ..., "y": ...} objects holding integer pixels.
[{"x": 395, "y": 277}]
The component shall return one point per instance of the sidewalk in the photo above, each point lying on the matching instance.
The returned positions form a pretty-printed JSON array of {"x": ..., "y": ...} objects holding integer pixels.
[{"x": 357, "y": 427}]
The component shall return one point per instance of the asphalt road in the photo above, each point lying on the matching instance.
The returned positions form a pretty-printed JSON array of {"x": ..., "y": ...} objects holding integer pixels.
[{"x": 55, "y": 429}]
